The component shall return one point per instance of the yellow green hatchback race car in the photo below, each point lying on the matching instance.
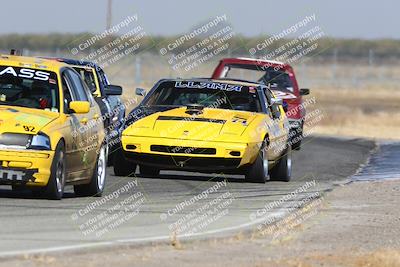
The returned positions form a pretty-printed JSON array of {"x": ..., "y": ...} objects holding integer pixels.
[
  {"x": 50, "y": 135},
  {"x": 206, "y": 125}
]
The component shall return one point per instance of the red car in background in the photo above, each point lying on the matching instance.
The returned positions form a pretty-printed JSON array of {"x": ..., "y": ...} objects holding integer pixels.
[{"x": 281, "y": 79}]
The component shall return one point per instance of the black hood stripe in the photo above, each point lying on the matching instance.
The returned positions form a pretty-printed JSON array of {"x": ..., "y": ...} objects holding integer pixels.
[{"x": 176, "y": 118}]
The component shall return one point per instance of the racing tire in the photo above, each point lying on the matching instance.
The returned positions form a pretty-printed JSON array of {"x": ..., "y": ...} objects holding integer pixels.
[
  {"x": 110, "y": 161},
  {"x": 297, "y": 136},
  {"x": 98, "y": 181},
  {"x": 148, "y": 171},
  {"x": 282, "y": 171},
  {"x": 122, "y": 167},
  {"x": 37, "y": 192},
  {"x": 17, "y": 188},
  {"x": 296, "y": 146},
  {"x": 258, "y": 171},
  {"x": 55, "y": 187}
]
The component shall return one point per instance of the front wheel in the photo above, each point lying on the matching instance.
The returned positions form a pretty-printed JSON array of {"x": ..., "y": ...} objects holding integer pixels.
[
  {"x": 282, "y": 171},
  {"x": 97, "y": 183},
  {"x": 148, "y": 171},
  {"x": 258, "y": 171},
  {"x": 55, "y": 186},
  {"x": 122, "y": 167}
]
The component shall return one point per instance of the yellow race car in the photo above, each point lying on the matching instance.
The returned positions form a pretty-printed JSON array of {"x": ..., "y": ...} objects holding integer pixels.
[
  {"x": 50, "y": 133},
  {"x": 206, "y": 125}
]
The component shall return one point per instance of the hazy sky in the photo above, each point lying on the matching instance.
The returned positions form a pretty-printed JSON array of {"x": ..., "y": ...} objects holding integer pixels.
[{"x": 338, "y": 18}]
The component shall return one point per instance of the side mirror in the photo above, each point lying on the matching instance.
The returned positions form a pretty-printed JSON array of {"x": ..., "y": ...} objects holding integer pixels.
[
  {"x": 79, "y": 107},
  {"x": 113, "y": 90},
  {"x": 140, "y": 92},
  {"x": 285, "y": 106},
  {"x": 304, "y": 91}
]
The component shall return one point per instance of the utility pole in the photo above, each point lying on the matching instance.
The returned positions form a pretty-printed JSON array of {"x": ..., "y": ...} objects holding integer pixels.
[
  {"x": 109, "y": 14},
  {"x": 371, "y": 57}
]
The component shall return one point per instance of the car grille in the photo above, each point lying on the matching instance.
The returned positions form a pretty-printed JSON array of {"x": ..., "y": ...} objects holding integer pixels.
[
  {"x": 172, "y": 162},
  {"x": 183, "y": 150},
  {"x": 14, "y": 139}
]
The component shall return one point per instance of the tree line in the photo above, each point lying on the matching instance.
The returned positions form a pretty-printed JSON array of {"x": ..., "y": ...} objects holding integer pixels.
[{"x": 329, "y": 47}]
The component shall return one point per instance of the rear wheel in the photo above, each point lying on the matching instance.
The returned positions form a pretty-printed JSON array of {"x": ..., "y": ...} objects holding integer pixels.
[
  {"x": 122, "y": 167},
  {"x": 17, "y": 187},
  {"x": 258, "y": 171},
  {"x": 148, "y": 171},
  {"x": 282, "y": 171},
  {"x": 297, "y": 137},
  {"x": 97, "y": 183},
  {"x": 55, "y": 186},
  {"x": 297, "y": 146},
  {"x": 110, "y": 160}
]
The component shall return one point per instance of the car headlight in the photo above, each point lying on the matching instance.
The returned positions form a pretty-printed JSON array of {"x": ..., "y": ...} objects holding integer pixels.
[
  {"x": 135, "y": 115},
  {"x": 25, "y": 141},
  {"x": 15, "y": 140},
  {"x": 40, "y": 142},
  {"x": 114, "y": 119}
]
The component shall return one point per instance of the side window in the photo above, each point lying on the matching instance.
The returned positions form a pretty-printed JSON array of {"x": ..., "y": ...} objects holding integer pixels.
[
  {"x": 68, "y": 93},
  {"x": 87, "y": 76},
  {"x": 103, "y": 77},
  {"x": 78, "y": 87}
]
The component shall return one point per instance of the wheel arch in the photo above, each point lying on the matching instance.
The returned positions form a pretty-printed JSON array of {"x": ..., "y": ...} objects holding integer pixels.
[
  {"x": 266, "y": 141},
  {"x": 55, "y": 139}
]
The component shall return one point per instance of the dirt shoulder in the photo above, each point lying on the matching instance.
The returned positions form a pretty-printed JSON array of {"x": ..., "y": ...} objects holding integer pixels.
[{"x": 355, "y": 225}]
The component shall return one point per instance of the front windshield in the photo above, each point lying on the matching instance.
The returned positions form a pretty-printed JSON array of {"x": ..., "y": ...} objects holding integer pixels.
[
  {"x": 277, "y": 79},
  {"x": 208, "y": 94},
  {"x": 29, "y": 88}
]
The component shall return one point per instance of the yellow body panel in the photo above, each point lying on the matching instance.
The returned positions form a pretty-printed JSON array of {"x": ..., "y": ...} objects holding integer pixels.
[
  {"x": 33, "y": 160},
  {"x": 219, "y": 129}
]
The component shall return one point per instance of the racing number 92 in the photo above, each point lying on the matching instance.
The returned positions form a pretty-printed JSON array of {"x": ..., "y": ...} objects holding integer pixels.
[{"x": 29, "y": 128}]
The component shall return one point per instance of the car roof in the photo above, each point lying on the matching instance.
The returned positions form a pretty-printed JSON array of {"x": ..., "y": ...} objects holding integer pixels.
[
  {"x": 254, "y": 61},
  {"x": 31, "y": 62},
  {"x": 224, "y": 80},
  {"x": 262, "y": 60},
  {"x": 76, "y": 62}
]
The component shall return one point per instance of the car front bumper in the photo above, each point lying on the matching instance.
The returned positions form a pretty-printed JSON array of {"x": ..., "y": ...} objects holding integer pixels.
[
  {"x": 183, "y": 154},
  {"x": 31, "y": 168}
]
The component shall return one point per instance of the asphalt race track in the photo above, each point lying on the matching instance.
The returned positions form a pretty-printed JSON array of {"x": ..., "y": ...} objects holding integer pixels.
[{"x": 150, "y": 209}]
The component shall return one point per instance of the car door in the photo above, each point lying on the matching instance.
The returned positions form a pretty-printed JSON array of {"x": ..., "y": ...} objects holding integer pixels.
[
  {"x": 76, "y": 123},
  {"x": 92, "y": 125},
  {"x": 278, "y": 134}
]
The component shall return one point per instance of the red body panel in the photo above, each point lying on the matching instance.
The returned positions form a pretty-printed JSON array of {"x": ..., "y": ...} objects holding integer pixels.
[{"x": 294, "y": 101}]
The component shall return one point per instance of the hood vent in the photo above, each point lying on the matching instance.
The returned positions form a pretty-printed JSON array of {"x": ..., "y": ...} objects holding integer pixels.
[{"x": 194, "y": 109}]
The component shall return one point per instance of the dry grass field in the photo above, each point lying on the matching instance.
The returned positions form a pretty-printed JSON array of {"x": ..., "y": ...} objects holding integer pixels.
[{"x": 369, "y": 112}]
